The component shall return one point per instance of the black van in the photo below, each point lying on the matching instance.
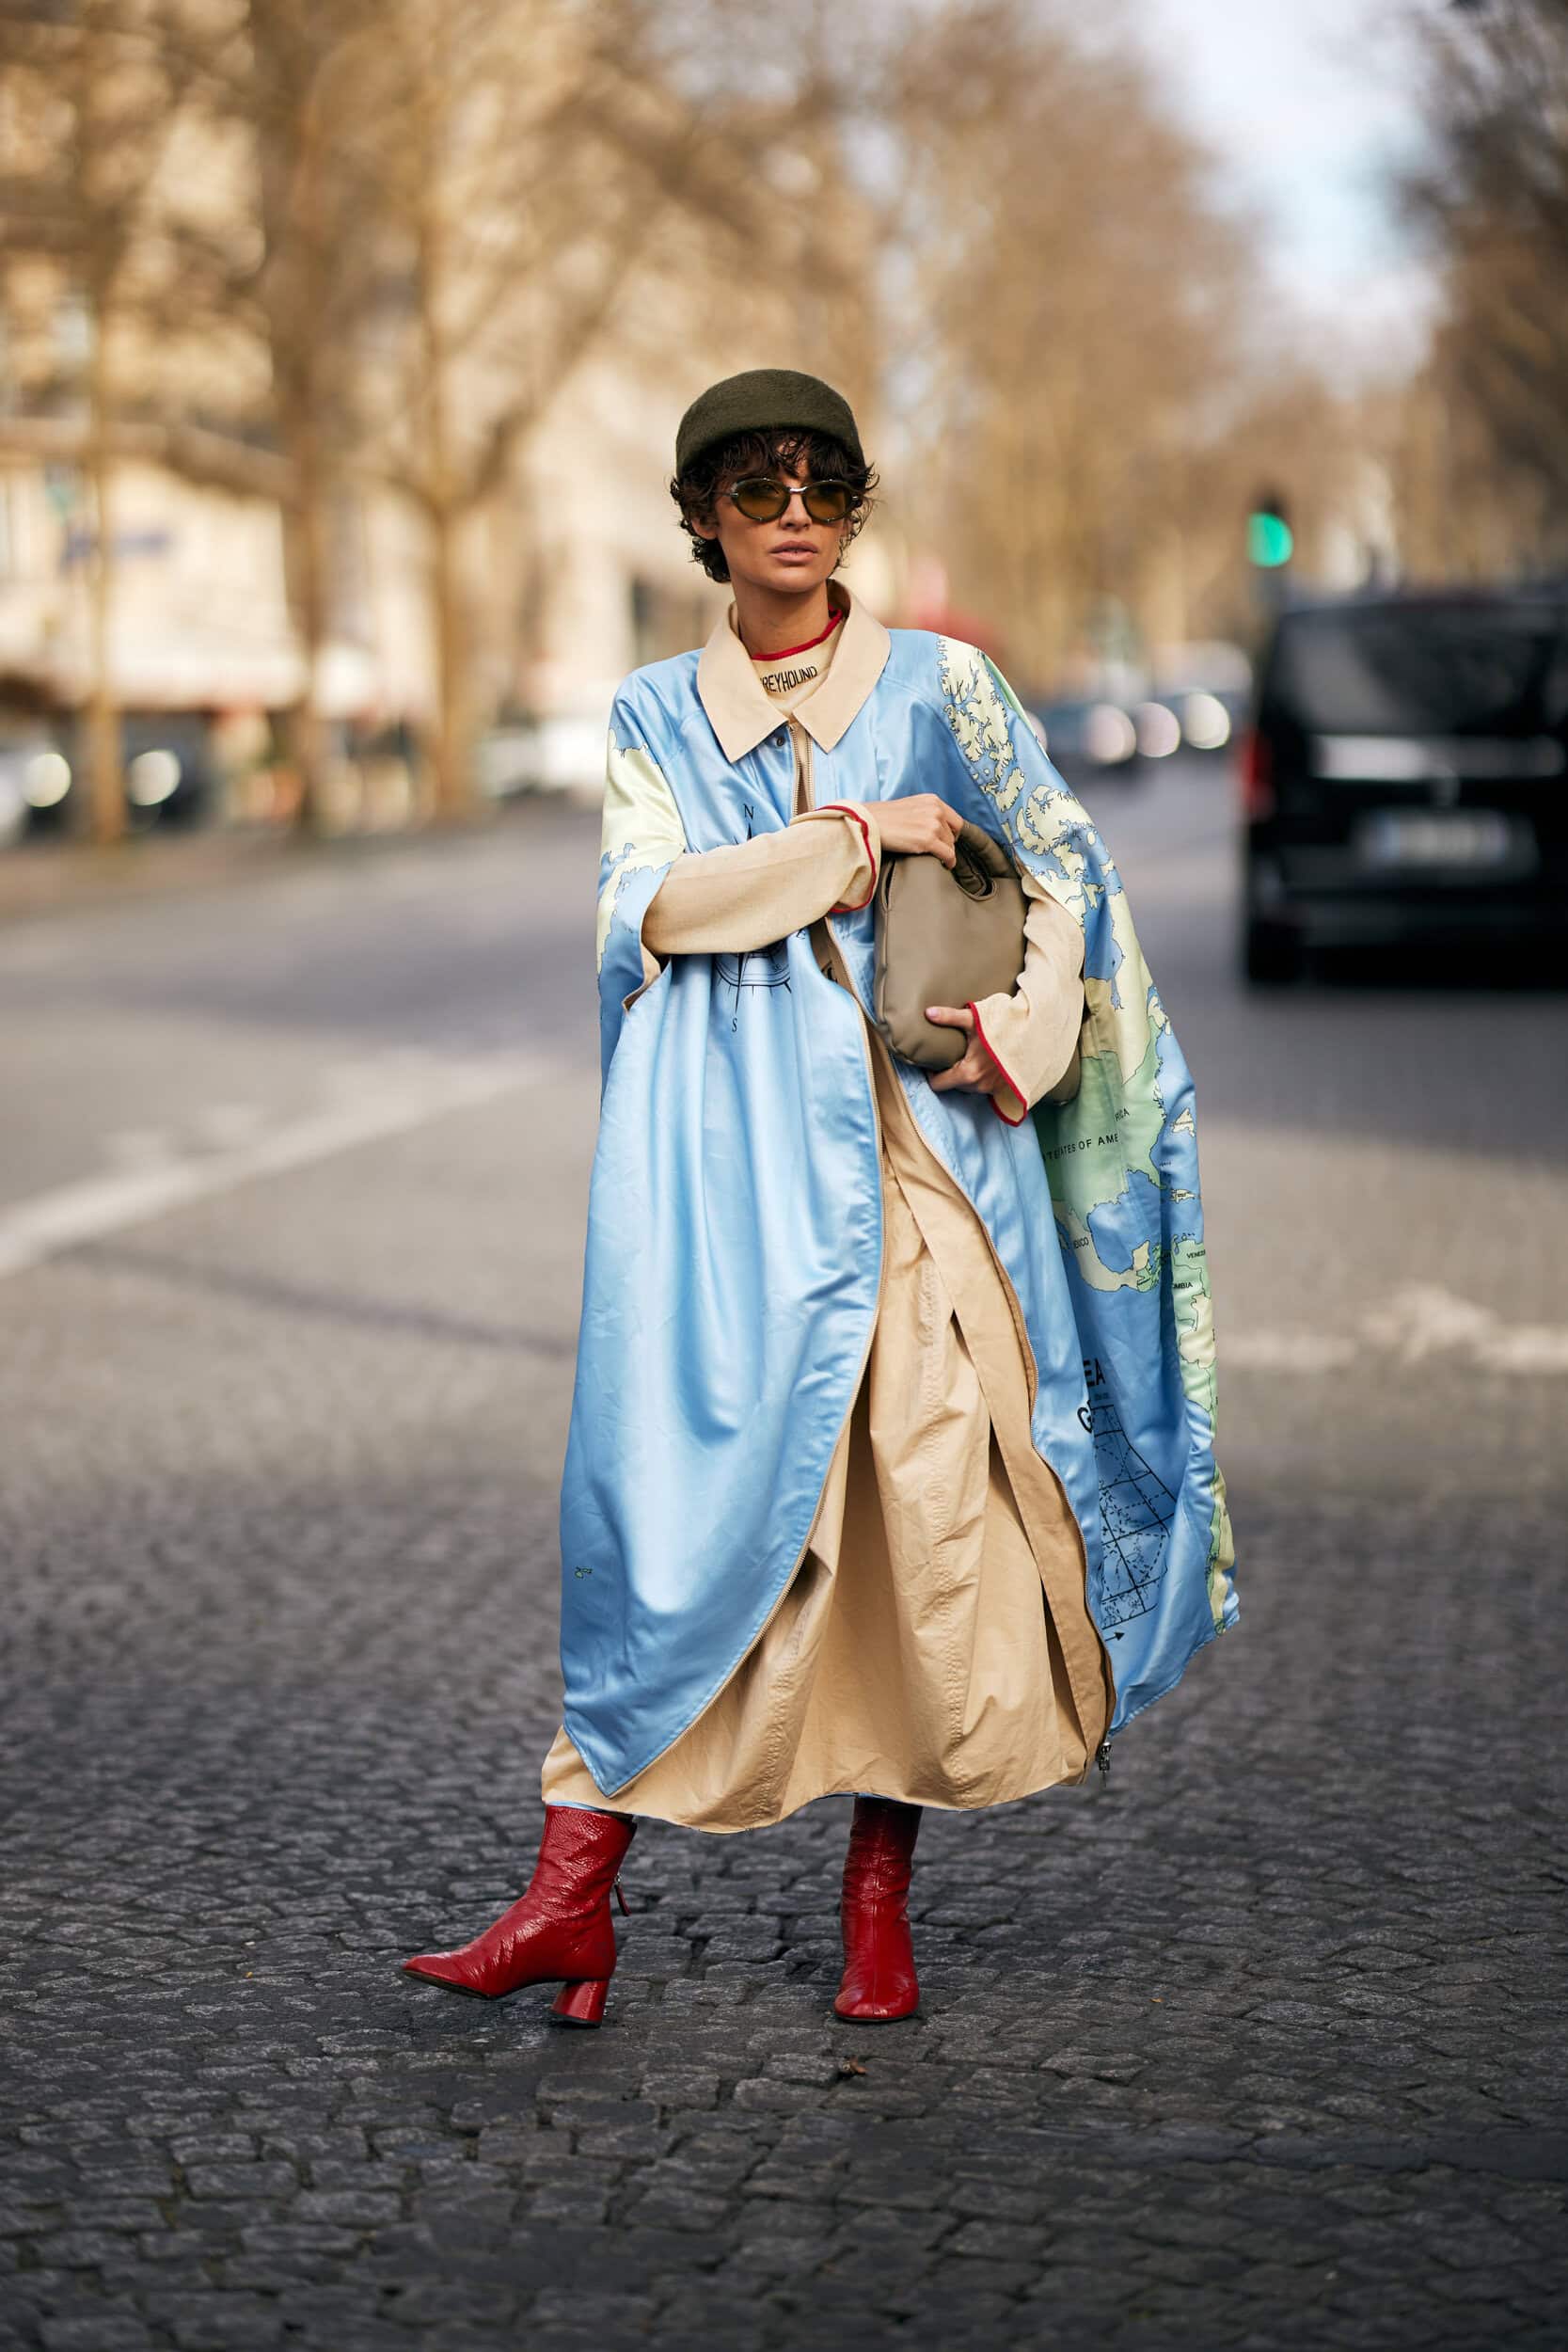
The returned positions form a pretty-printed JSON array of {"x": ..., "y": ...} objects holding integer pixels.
[{"x": 1405, "y": 776}]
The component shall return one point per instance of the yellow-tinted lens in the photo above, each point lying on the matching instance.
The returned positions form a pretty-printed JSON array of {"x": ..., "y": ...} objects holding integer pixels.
[
  {"x": 828, "y": 502},
  {"x": 761, "y": 499}
]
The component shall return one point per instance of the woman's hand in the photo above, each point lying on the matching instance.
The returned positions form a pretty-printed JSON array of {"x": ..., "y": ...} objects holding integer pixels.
[
  {"x": 976, "y": 1068},
  {"x": 922, "y": 823}
]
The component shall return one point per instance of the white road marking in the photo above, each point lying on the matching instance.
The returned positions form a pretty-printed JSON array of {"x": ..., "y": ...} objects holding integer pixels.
[
  {"x": 354, "y": 1080},
  {"x": 1422, "y": 1321},
  {"x": 1418, "y": 1323},
  {"x": 223, "y": 1125},
  {"x": 141, "y": 1146},
  {"x": 404, "y": 1092},
  {"x": 1534, "y": 1347},
  {"x": 1287, "y": 1351}
]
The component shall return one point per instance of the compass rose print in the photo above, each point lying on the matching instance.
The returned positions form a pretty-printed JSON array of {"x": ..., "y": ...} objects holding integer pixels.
[
  {"x": 757, "y": 967},
  {"x": 754, "y": 967}
]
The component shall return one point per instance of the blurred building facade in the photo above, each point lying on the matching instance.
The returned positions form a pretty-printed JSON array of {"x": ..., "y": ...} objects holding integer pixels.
[
  {"x": 581, "y": 572},
  {"x": 572, "y": 567}
]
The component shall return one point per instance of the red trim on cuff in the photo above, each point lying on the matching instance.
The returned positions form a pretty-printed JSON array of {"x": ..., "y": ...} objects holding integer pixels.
[
  {"x": 1006, "y": 1073},
  {"x": 842, "y": 809}
]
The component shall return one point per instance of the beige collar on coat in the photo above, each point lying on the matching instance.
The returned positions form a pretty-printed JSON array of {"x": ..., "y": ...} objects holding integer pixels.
[{"x": 737, "y": 701}]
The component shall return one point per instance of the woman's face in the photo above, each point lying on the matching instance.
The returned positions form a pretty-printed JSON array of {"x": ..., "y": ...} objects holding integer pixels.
[{"x": 790, "y": 557}]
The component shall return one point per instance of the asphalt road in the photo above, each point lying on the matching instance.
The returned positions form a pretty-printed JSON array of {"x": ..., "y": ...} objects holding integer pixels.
[{"x": 1262, "y": 2046}]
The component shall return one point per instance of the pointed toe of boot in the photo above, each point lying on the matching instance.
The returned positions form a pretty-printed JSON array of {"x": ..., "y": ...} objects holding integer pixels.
[
  {"x": 561, "y": 1931},
  {"x": 448, "y": 1968}
]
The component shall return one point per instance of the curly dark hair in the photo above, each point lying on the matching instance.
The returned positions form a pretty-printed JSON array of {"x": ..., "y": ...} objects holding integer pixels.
[{"x": 741, "y": 453}]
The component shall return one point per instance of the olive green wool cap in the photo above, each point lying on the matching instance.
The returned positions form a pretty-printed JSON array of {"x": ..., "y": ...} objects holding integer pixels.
[{"x": 759, "y": 400}]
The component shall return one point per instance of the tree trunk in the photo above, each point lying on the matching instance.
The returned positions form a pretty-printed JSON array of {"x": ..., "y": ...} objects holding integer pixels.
[
  {"x": 294, "y": 298},
  {"x": 452, "y": 760},
  {"x": 106, "y": 773},
  {"x": 305, "y": 565}
]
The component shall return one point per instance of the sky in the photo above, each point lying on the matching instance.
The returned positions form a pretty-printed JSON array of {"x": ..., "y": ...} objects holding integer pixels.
[{"x": 1307, "y": 103}]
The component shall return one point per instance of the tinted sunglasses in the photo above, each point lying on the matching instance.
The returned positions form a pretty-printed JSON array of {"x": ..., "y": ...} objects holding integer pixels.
[{"x": 762, "y": 499}]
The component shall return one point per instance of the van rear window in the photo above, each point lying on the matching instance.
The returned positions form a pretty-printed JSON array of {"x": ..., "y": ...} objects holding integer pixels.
[{"x": 1454, "y": 669}]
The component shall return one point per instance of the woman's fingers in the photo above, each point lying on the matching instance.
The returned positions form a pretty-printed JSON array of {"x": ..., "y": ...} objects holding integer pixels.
[
  {"x": 920, "y": 824},
  {"x": 951, "y": 823},
  {"x": 972, "y": 1073},
  {"x": 973, "y": 1067},
  {"x": 941, "y": 839}
]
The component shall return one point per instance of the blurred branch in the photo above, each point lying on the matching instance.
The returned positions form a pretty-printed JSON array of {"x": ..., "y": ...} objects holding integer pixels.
[
  {"x": 197, "y": 454},
  {"x": 1070, "y": 302},
  {"x": 1494, "y": 197}
]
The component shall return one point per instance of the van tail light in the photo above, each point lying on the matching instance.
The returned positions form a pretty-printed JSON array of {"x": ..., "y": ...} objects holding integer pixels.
[{"x": 1255, "y": 770}]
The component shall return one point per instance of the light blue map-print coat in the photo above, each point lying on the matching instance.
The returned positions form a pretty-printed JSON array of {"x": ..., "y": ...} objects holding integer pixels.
[{"x": 734, "y": 1248}]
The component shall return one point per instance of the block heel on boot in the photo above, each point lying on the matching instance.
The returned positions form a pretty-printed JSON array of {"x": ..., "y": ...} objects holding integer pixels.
[
  {"x": 560, "y": 1931},
  {"x": 581, "y": 2003}
]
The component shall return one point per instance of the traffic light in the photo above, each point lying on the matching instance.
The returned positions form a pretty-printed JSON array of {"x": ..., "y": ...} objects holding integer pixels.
[{"x": 1270, "y": 541}]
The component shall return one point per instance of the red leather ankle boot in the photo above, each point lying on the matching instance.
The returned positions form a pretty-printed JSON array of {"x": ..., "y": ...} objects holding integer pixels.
[
  {"x": 561, "y": 1928},
  {"x": 878, "y": 1957}
]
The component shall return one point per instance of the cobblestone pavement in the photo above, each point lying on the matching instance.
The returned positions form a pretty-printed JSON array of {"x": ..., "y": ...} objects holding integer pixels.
[{"x": 1258, "y": 2046}]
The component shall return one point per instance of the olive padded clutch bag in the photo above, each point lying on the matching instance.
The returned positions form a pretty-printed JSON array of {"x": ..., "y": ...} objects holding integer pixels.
[{"x": 944, "y": 936}]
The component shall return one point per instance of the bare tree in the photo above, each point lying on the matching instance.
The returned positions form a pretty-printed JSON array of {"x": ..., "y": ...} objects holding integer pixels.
[
  {"x": 506, "y": 223},
  {"x": 1074, "y": 291},
  {"x": 1495, "y": 196},
  {"x": 297, "y": 92},
  {"x": 533, "y": 164}
]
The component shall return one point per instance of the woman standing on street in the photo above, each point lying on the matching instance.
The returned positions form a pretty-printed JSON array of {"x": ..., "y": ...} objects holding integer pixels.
[{"x": 890, "y": 1468}]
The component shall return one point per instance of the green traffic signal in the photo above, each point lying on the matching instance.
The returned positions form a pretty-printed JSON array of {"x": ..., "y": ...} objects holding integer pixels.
[{"x": 1269, "y": 540}]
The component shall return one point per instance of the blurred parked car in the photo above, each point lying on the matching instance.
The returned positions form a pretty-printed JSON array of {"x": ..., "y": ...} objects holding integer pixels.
[
  {"x": 1086, "y": 738},
  {"x": 32, "y": 772},
  {"x": 1210, "y": 718},
  {"x": 1158, "y": 729},
  {"x": 562, "y": 751},
  {"x": 170, "y": 777},
  {"x": 1207, "y": 687},
  {"x": 1403, "y": 777}
]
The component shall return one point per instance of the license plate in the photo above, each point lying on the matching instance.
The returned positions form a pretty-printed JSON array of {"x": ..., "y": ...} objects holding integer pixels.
[{"x": 1465, "y": 838}]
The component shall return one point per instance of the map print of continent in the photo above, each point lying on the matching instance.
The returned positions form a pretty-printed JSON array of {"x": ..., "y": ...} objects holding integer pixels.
[{"x": 1137, "y": 1509}]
